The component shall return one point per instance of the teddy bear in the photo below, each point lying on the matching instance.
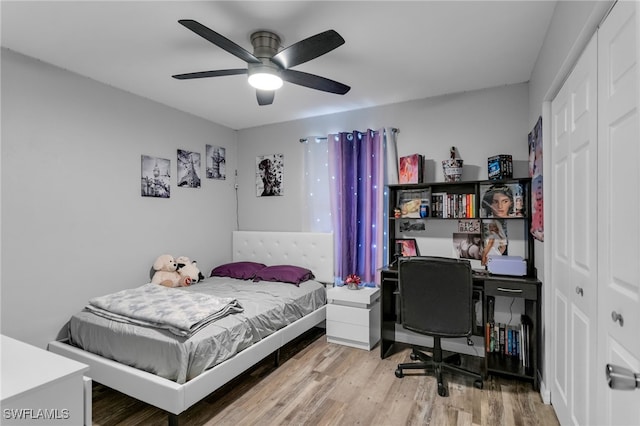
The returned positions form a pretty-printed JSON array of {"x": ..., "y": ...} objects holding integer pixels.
[
  {"x": 188, "y": 270},
  {"x": 166, "y": 272}
]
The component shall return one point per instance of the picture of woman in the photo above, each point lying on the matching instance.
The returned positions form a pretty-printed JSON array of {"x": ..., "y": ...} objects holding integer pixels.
[
  {"x": 495, "y": 241},
  {"x": 503, "y": 201},
  {"x": 468, "y": 246},
  {"x": 498, "y": 201}
]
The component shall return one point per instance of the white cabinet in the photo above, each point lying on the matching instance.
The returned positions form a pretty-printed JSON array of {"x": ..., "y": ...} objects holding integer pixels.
[
  {"x": 353, "y": 317},
  {"x": 40, "y": 387}
]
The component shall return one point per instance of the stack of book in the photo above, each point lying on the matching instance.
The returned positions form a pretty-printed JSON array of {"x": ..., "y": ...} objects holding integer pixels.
[
  {"x": 445, "y": 205},
  {"x": 508, "y": 340}
]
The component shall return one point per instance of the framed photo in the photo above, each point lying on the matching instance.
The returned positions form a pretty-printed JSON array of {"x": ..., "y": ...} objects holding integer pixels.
[
  {"x": 155, "y": 176},
  {"x": 216, "y": 162},
  {"x": 410, "y": 202},
  {"x": 188, "y": 169},
  {"x": 269, "y": 171},
  {"x": 407, "y": 247},
  {"x": 503, "y": 200}
]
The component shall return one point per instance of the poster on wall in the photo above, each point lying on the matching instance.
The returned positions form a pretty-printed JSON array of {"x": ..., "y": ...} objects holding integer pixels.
[
  {"x": 216, "y": 162},
  {"x": 535, "y": 172},
  {"x": 467, "y": 242},
  {"x": 269, "y": 172},
  {"x": 188, "y": 169},
  {"x": 495, "y": 239},
  {"x": 155, "y": 176}
]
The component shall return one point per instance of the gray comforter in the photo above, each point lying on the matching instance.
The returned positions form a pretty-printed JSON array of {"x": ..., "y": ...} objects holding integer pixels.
[
  {"x": 181, "y": 312},
  {"x": 268, "y": 307}
]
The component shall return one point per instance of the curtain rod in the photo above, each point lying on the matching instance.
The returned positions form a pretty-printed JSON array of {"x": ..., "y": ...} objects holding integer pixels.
[{"x": 324, "y": 138}]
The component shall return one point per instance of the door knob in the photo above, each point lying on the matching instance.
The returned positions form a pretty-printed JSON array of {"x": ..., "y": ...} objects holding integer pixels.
[
  {"x": 621, "y": 378},
  {"x": 616, "y": 317},
  {"x": 579, "y": 291}
]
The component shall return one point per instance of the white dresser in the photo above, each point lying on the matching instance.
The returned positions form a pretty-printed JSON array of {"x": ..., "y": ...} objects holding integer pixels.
[
  {"x": 39, "y": 387},
  {"x": 353, "y": 317}
]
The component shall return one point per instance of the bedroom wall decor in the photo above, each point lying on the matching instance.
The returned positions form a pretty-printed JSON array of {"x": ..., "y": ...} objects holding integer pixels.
[
  {"x": 216, "y": 162},
  {"x": 269, "y": 173},
  {"x": 535, "y": 172},
  {"x": 188, "y": 169},
  {"x": 155, "y": 176}
]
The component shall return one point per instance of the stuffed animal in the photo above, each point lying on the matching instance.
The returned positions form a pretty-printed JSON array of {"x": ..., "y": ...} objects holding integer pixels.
[
  {"x": 188, "y": 270},
  {"x": 166, "y": 272}
]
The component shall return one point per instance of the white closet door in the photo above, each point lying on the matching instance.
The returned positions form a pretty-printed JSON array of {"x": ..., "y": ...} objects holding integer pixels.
[
  {"x": 619, "y": 209},
  {"x": 574, "y": 243}
]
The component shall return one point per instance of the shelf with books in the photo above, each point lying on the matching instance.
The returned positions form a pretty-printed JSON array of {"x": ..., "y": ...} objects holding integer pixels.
[
  {"x": 413, "y": 205},
  {"x": 507, "y": 346},
  {"x": 513, "y": 348}
]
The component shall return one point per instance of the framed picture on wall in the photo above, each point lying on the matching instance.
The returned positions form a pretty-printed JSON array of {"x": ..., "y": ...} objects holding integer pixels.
[
  {"x": 216, "y": 162},
  {"x": 269, "y": 172},
  {"x": 155, "y": 176},
  {"x": 188, "y": 169},
  {"x": 407, "y": 247}
]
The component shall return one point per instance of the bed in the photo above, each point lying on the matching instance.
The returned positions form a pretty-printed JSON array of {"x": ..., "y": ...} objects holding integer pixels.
[{"x": 179, "y": 390}]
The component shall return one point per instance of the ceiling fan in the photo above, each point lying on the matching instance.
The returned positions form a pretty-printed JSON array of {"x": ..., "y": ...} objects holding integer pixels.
[{"x": 266, "y": 66}]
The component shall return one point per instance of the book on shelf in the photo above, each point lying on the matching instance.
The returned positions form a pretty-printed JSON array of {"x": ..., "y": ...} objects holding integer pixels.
[
  {"x": 411, "y": 169},
  {"x": 459, "y": 206},
  {"x": 508, "y": 340}
]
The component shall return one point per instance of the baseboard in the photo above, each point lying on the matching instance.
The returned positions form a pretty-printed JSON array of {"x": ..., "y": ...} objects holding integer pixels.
[{"x": 545, "y": 393}]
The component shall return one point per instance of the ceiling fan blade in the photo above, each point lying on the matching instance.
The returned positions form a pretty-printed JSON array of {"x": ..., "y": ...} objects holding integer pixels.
[
  {"x": 205, "y": 74},
  {"x": 219, "y": 40},
  {"x": 314, "y": 82},
  {"x": 308, "y": 49},
  {"x": 265, "y": 97}
]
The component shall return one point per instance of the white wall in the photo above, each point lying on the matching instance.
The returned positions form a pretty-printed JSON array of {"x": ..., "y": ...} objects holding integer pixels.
[
  {"x": 479, "y": 124},
  {"x": 74, "y": 224}
]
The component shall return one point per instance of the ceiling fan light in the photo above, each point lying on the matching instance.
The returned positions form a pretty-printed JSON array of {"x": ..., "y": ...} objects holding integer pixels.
[{"x": 265, "y": 81}]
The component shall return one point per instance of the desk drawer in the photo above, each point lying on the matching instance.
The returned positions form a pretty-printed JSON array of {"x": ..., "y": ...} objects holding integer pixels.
[{"x": 511, "y": 289}]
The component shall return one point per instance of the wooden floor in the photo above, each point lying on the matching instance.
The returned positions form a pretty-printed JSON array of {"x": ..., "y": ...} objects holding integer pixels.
[{"x": 319, "y": 383}]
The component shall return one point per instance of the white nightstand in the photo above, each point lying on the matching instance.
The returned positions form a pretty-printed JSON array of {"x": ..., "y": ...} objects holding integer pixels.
[
  {"x": 353, "y": 317},
  {"x": 40, "y": 387}
]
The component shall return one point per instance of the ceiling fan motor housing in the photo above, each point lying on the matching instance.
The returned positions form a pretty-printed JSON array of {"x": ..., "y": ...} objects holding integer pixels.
[{"x": 265, "y": 46}]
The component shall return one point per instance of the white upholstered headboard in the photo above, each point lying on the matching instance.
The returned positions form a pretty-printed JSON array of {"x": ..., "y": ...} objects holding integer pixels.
[{"x": 306, "y": 249}]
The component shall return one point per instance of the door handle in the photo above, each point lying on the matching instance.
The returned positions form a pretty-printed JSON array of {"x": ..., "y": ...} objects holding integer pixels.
[
  {"x": 621, "y": 378},
  {"x": 616, "y": 317},
  {"x": 579, "y": 291}
]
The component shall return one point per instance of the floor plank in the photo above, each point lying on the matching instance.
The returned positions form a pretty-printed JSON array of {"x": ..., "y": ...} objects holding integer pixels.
[{"x": 320, "y": 383}]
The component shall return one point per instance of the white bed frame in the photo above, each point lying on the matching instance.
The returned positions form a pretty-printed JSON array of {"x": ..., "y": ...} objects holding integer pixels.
[{"x": 311, "y": 250}]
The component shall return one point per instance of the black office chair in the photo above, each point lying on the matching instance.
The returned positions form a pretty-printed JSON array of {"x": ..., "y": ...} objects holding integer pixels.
[{"x": 436, "y": 299}]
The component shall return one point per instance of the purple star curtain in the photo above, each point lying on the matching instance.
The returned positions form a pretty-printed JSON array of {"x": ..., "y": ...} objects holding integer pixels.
[{"x": 356, "y": 168}]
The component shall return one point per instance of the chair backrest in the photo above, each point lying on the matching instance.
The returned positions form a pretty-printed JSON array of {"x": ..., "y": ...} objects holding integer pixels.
[{"x": 436, "y": 296}]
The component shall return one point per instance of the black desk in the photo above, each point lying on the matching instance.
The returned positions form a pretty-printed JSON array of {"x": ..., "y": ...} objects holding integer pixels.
[{"x": 485, "y": 285}]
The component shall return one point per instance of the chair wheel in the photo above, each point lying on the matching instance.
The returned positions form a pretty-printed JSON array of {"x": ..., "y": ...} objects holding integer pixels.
[
  {"x": 442, "y": 390},
  {"x": 478, "y": 384},
  {"x": 413, "y": 356},
  {"x": 399, "y": 373}
]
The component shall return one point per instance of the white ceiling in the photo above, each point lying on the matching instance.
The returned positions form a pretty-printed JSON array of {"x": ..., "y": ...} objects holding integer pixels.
[{"x": 394, "y": 51}]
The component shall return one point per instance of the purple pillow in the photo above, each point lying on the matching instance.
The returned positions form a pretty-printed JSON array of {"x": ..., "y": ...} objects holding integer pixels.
[
  {"x": 284, "y": 273},
  {"x": 238, "y": 270}
]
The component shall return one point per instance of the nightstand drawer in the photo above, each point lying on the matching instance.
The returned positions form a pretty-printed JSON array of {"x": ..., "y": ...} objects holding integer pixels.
[
  {"x": 349, "y": 315},
  {"x": 344, "y": 331}
]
